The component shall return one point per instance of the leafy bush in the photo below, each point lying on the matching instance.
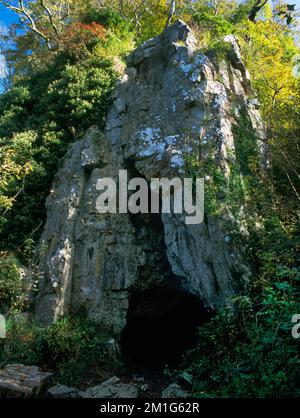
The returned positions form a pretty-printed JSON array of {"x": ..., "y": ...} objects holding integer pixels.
[
  {"x": 38, "y": 119},
  {"x": 253, "y": 355},
  {"x": 248, "y": 350},
  {"x": 12, "y": 286},
  {"x": 76, "y": 349}
]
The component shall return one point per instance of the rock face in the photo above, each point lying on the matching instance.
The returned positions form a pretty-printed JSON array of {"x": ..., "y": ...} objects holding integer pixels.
[
  {"x": 173, "y": 102},
  {"x": 19, "y": 381},
  {"x": 112, "y": 388},
  {"x": 62, "y": 391},
  {"x": 174, "y": 391}
]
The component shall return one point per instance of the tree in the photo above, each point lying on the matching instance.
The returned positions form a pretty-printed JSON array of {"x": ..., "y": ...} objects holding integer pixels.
[
  {"x": 6, "y": 69},
  {"x": 46, "y": 18},
  {"x": 256, "y": 8},
  {"x": 147, "y": 17},
  {"x": 264, "y": 42},
  {"x": 286, "y": 11}
]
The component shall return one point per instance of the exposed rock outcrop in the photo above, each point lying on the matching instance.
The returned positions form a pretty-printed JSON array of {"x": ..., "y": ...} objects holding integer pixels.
[
  {"x": 174, "y": 391},
  {"x": 62, "y": 391},
  {"x": 19, "y": 381},
  {"x": 173, "y": 101},
  {"x": 112, "y": 388}
]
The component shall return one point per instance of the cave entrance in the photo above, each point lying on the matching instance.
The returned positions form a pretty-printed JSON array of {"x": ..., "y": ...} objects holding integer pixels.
[{"x": 161, "y": 326}]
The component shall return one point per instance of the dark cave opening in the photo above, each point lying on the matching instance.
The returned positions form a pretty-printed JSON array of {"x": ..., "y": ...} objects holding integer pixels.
[
  {"x": 161, "y": 326},
  {"x": 162, "y": 318}
]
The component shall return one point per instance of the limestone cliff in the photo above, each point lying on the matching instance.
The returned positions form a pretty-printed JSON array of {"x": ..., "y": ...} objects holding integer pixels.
[{"x": 172, "y": 101}]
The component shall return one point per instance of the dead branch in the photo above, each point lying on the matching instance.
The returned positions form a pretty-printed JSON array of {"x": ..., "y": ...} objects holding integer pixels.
[{"x": 172, "y": 12}]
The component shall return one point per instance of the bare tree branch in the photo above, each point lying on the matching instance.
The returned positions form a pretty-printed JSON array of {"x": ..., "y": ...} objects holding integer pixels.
[
  {"x": 172, "y": 12},
  {"x": 65, "y": 15},
  {"x": 293, "y": 186},
  {"x": 54, "y": 18},
  {"x": 258, "y": 5},
  {"x": 50, "y": 15},
  {"x": 289, "y": 162},
  {"x": 6, "y": 69},
  {"x": 22, "y": 11}
]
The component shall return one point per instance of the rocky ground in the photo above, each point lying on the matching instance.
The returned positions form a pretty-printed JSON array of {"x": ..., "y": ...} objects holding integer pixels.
[{"x": 20, "y": 381}]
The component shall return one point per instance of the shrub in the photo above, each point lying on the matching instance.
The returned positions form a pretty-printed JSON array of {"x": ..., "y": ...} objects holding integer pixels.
[
  {"x": 64, "y": 100},
  {"x": 248, "y": 350},
  {"x": 12, "y": 286},
  {"x": 75, "y": 349}
]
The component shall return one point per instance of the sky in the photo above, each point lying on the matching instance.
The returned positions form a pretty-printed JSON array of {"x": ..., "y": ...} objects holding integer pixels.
[{"x": 6, "y": 16}]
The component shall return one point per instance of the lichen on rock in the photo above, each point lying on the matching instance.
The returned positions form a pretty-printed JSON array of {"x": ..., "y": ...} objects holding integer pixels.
[{"x": 172, "y": 101}]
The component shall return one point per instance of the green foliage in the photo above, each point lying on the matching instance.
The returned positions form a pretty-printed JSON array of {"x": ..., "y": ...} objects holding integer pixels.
[
  {"x": 109, "y": 19},
  {"x": 12, "y": 286},
  {"x": 145, "y": 18},
  {"x": 217, "y": 26},
  {"x": 246, "y": 147},
  {"x": 263, "y": 43},
  {"x": 80, "y": 96},
  {"x": 76, "y": 349},
  {"x": 55, "y": 97},
  {"x": 247, "y": 350},
  {"x": 39, "y": 117},
  {"x": 221, "y": 195}
]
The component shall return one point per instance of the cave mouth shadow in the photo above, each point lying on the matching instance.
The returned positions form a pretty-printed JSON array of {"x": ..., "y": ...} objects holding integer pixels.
[{"x": 161, "y": 327}]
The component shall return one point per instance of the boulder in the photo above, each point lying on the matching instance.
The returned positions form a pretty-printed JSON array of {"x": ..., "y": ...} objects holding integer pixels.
[
  {"x": 62, "y": 391},
  {"x": 174, "y": 391},
  {"x": 112, "y": 388},
  {"x": 19, "y": 381}
]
